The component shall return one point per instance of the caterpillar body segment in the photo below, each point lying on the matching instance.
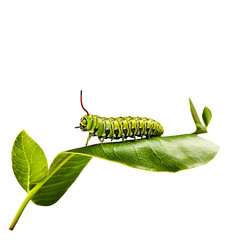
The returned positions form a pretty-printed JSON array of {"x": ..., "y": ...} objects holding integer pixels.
[{"x": 119, "y": 127}]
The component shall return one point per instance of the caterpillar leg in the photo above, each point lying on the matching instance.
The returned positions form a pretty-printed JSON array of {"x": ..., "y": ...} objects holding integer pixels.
[
  {"x": 89, "y": 136},
  {"x": 101, "y": 139}
]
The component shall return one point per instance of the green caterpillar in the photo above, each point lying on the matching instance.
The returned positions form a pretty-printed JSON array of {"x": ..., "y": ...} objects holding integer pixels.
[{"x": 120, "y": 127}]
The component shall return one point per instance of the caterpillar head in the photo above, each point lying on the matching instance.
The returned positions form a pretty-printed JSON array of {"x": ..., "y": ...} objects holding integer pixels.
[{"x": 86, "y": 120}]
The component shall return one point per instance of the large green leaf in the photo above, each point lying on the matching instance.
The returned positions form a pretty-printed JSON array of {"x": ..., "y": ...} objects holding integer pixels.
[
  {"x": 168, "y": 154},
  {"x": 162, "y": 154}
]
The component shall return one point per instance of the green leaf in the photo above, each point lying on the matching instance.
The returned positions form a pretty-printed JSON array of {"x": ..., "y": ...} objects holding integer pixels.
[
  {"x": 207, "y": 116},
  {"x": 194, "y": 113},
  {"x": 163, "y": 154},
  {"x": 28, "y": 161}
]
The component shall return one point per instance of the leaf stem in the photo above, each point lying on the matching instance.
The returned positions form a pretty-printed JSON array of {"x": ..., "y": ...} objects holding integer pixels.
[{"x": 31, "y": 193}]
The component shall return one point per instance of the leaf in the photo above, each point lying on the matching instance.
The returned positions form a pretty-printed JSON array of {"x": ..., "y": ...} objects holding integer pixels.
[
  {"x": 28, "y": 161},
  {"x": 194, "y": 113},
  {"x": 161, "y": 154},
  {"x": 165, "y": 154},
  {"x": 206, "y": 116}
]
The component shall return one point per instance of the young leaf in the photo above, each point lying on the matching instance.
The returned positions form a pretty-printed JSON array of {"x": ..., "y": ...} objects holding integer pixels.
[
  {"x": 28, "y": 161},
  {"x": 194, "y": 113},
  {"x": 199, "y": 127},
  {"x": 206, "y": 116}
]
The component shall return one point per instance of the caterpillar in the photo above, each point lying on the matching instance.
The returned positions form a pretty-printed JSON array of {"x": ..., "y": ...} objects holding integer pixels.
[{"x": 119, "y": 127}]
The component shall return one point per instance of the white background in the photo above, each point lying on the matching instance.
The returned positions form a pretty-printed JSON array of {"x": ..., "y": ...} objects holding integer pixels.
[{"x": 139, "y": 58}]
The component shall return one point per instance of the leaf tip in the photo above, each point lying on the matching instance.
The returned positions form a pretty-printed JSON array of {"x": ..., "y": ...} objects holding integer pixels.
[
  {"x": 23, "y": 132},
  {"x": 190, "y": 102}
]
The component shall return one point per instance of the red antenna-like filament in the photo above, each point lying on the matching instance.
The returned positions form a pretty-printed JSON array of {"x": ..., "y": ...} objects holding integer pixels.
[{"x": 82, "y": 103}]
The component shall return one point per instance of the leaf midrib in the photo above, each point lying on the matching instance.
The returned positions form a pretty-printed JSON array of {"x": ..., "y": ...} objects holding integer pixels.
[
  {"x": 28, "y": 179},
  {"x": 39, "y": 185}
]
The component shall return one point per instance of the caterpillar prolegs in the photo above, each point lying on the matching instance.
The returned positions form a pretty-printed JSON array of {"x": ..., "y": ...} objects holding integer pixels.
[{"x": 119, "y": 127}]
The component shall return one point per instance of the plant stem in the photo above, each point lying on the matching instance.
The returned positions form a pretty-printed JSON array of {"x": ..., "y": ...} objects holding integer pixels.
[{"x": 31, "y": 193}]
